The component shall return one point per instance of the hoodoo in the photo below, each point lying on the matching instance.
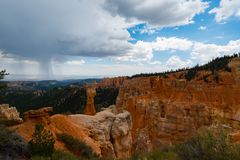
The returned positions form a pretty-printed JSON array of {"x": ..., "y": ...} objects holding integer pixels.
[{"x": 91, "y": 93}]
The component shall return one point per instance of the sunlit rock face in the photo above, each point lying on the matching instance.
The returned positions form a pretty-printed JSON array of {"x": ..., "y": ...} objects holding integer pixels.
[
  {"x": 39, "y": 115},
  {"x": 8, "y": 113},
  {"x": 121, "y": 134},
  {"x": 108, "y": 132},
  {"x": 169, "y": 110},
  {"x": 91, "y": 93},
  {"x": 114, "y": 82},
  {"x": 111, "y": 129}
]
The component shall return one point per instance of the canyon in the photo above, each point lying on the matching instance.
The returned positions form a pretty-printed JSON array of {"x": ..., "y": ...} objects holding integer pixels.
[
  {"x": 151, "y": 112},
  {"x": 166, "y": 111}
]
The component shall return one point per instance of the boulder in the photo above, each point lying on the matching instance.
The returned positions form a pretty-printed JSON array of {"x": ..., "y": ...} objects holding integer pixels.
[
  {"x": 111, "y": 130},
  {"x": 9, "y": 114},
  {"x": 40, "y": 115}
]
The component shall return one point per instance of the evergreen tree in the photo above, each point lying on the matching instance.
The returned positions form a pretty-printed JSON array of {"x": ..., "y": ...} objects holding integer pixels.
[
  {"x": 2, "y": 74},
  {"x": 42, "y": 143}
]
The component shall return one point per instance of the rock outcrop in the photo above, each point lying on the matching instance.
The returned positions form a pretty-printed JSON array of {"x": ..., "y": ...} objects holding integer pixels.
[
  {"x": 38, "y": 115},
  {"x": 121, "y": 135},
  {"x": 169, "y": 110},
  {"x": 114, "y": 82},
  {"x": 91, "y": 93},
  {"x": 108, "y": 132},
  {"x": 9, "y": 114},
  {"x": 111, "y": 129}
]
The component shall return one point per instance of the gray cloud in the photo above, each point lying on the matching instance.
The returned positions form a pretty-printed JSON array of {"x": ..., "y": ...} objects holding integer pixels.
[
  {"x": 157, "y": 12},
  {"x": 44, "y": 29},
  {"x": 40, "y": 29}
]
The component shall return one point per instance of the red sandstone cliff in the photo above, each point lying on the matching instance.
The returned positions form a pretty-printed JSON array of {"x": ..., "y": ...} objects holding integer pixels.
[
  {"x": 114, "y": 82},
  {"x": 163, "y": 111},
  {"x": 169, "y": 110},
  {"x": 108, "y": 132}
]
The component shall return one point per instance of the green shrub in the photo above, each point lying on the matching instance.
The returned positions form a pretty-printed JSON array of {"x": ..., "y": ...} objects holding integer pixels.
[
  {"x": 191, "y": 73},
  {"x": 77, "y": 146},
  {"x": 160, "y": 155},
  {"x": 208, "y": 144},
  {"x": 61, "y": 155},
  {"x": 42, "y": 143}
]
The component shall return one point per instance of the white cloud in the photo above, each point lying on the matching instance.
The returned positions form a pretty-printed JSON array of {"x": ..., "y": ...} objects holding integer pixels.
[
  {"x": 75, "y": 62},
  {"x": 200, "y": 52},
  {"x": 39, "y": 31},
  {"x": 143, "y": 51},
  {"x": 34, "y": 30},
  {"x": 155, "y": 62},
  {"x": 226, "y": 9},
  {"x": 113, "y": 70},
  {"x": 176, "y": 62},
  {"x": 205, "y": 52},
  {"x": 147, "y": 30},
  {"x": 171, "y": 43},
  {"x": 202, "y": 28},
  {"x": 157, "y": 13}
]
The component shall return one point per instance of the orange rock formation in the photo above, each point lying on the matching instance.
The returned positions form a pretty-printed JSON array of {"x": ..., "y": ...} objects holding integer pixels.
[
  {"x": 108, "y": 133},
  {"x": 169, "y": 110},
  {"x": 8, "y": 113},
  {"x": 114, "y": 82},
  {"x": 160, "y": 112},
  {"x": 91, "y": 93}
]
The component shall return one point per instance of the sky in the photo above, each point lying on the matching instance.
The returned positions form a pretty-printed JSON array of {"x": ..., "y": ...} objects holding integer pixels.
[{"x": 64, "y": 39}]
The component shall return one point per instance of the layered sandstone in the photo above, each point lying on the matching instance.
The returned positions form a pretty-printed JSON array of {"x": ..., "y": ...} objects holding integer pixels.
[
  {"x": 169, "y": 110},
  {"x": 108, "y": 132},
  {"x": 91, "y": 93},
  {"x": 114, "y": 82},
  {"x": 111, "y": 130},
  {"x": 38, "y": 115},
  {"x": 8, "y": 113}
]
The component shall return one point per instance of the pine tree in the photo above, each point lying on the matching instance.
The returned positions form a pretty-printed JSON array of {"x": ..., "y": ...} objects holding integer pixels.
[
  {"x": 42, "y": 143},
  {"x": 2, "y": 74}
]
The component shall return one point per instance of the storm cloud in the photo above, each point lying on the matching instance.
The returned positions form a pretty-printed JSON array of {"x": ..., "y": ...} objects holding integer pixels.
[{"x": 43, "y": 29}]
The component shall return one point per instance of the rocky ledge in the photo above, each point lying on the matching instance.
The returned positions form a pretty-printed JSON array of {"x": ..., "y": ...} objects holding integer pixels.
[
  {"x": 108, "y": 132},
  {"x": 9, "y": 114}
]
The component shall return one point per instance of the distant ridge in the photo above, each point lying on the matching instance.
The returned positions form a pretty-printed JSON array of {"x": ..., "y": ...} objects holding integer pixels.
[{"x": 219, "y": 63}]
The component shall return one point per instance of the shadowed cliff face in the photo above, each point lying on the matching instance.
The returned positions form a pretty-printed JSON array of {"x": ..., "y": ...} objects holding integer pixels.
[{"x": 169, "y": 110}]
